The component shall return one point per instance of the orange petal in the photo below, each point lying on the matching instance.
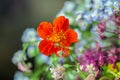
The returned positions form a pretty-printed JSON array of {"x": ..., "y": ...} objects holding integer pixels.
[
  {"x": 44, "y": 29},
  {"x": 46, "y": 47},
  {"x": 64, "y": 43},
  {"x": 61, "y": 23},
  {"x": 71, "y": 36}
]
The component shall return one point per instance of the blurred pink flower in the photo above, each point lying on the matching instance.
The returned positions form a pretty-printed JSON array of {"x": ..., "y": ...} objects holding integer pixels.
[{"x": 23, "y": 67}]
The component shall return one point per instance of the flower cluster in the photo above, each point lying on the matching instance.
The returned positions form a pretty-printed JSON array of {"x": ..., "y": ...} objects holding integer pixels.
[
  {"x": 98, "y": 59},
  {"x": 83, "y": 42}
]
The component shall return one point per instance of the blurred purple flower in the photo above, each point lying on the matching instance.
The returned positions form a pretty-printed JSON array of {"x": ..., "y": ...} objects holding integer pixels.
[
  {"x": 97, "y": 57},
  {"x": 111, "y": 56},
  {"x": 90, "y": 56}
]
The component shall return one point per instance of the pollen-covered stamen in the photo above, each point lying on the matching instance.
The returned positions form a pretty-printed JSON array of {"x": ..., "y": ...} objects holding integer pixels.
[{"x": 57, "y": 37}]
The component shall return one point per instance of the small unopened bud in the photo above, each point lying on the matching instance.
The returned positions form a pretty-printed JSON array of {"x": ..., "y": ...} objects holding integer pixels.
[
  {"x": 71, "y": 48},
  {"x": 60, "y": 53},
  {"x": 56, "y": 44}
]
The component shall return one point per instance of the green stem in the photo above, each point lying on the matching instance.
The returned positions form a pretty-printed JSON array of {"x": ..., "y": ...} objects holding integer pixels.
[
  {"x": 25, "y": 45},
  {"x": 74, "y": 58},
  {"x": 35, "y": 75},
  {"x": 81, "y": 73}
]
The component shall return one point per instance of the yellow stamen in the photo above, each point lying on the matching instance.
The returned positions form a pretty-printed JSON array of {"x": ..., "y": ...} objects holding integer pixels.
[{"x": 57, "y": 37}]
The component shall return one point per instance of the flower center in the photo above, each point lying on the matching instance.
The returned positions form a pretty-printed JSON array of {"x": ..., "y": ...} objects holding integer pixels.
[{"x": 57, "y": 37}]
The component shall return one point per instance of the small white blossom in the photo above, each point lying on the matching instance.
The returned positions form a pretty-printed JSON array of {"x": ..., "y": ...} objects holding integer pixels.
[
  {"x": 58, "y": 72},
  {"x": 90, "y": 68}
]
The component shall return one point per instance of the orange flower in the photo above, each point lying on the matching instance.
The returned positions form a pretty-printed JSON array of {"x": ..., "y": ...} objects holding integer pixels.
[{"x": 57, "y": 37}]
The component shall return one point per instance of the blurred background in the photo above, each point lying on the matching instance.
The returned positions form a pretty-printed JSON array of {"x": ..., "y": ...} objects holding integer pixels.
[{"x": 15, "y": 17}]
